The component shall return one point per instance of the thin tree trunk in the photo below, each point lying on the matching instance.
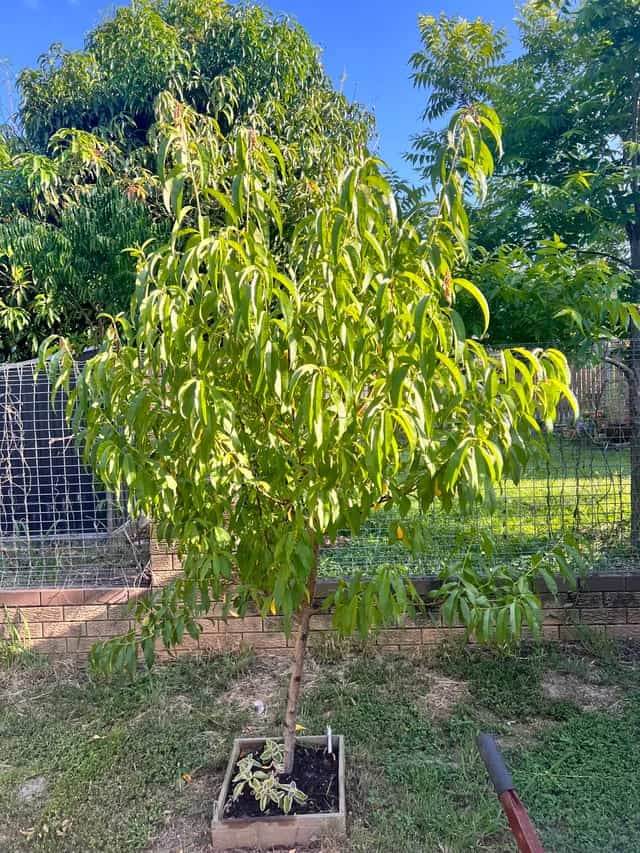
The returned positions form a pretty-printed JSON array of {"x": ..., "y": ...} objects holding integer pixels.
[
  {"x": 634, "y": 398},
  {"x": 633, "y": 234},
  {"x": 293, "y": 695}
]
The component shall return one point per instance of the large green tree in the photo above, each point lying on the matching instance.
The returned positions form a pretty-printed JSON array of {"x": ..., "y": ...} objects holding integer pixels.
[
  {"x": 78, "y": 176},
  {"x": 271, "y": 388},
  {"x": 558, "y": 240}
]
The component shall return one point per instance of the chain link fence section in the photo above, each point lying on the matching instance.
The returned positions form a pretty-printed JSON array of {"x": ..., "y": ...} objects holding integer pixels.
[
  {"x": 581, "y": 484},
  {"x": 59, "y": 527}
]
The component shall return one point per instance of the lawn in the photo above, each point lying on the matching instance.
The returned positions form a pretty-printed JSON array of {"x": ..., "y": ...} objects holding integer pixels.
[
  {"x": 136, "y": 766},
  {"x": 574, "y": 486}
]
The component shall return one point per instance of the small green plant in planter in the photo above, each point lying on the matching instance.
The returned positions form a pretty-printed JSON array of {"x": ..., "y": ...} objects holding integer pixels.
[
  {"x": 273, "y": 386},
  {"x": 262, "y": 777}
]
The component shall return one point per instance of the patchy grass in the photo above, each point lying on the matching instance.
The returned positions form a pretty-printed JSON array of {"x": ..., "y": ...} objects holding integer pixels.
[
  {"x": 136, "y": 766},
  {"x": 113, "y": 757}
]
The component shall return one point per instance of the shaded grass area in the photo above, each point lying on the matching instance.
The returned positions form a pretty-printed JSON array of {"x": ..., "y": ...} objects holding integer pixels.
[
  {"x": 111, "y": 757},
  {"x": 575, "y": 486},
  {"x": 110, "y": 766}
]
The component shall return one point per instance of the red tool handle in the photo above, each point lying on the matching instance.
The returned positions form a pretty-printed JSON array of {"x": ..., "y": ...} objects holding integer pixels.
[
  {"x": 520, "y": 823},
  {"x": 521, "y": 827}
]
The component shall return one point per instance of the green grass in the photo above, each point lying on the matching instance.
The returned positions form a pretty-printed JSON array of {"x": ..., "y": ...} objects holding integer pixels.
[
  {"x": 578, "y": 487},
  {"x": 118, "y": 763},
  {"x": 113, "y": 757}
]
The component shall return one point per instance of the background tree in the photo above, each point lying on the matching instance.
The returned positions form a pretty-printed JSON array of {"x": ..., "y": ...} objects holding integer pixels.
[
  {"x": 270, "y": 389},
  {"x": 560, "y": 230},
  {"x": 66, "y": 220}
]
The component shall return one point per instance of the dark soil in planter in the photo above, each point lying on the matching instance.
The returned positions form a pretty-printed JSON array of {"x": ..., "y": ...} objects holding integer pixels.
[{"x": 315, "y": 772}]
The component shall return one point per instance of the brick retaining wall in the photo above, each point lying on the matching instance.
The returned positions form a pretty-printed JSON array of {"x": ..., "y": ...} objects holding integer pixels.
[{"x": 66, "y": 622}]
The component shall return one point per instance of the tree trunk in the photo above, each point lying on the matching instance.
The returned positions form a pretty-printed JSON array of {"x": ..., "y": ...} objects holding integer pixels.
[
  {"x": 634, "y": 414},
  {"x": 293, "y": 695},
  {"x": 633, "y": 377}
]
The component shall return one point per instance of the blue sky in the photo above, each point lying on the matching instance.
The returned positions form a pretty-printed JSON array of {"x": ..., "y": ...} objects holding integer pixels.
[{"x": 369, "y": 41}]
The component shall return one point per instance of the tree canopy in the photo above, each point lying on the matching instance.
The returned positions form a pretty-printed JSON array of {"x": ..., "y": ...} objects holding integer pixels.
[
  {"x": 567, "y": 181},
  {"x": 558, "y": 241},
  {"x": 78, "y": 178},
  {"x": 271, "y": 387}
]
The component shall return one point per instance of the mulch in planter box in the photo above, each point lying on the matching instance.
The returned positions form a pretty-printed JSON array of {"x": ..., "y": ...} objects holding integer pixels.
[{"x": 315, "y": 772}]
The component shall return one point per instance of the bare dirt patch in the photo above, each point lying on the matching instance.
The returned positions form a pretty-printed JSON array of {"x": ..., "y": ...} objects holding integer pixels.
[
  {"x": 443, "y": 696},
  {"x": 189, "y": 831},
  {"x": 522, "y": 735},
  {"x": 32, "y": 788},
  {"x": 258, "y": 691},
  {"x": 560, "y": 686}
]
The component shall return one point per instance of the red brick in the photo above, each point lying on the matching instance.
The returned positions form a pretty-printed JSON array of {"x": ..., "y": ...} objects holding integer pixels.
[
  {"x": 399, "y": 636},
  {"x": 53, "y": 646},
  {"x": 602, "y": 616},
  {"x": 265, "y": 641},
  {"x": 107, "y": 629},
  {"x": 321, "y": 622},
  {"x": 63, "y": 629},
  {"x": 20, "y": 597},
  {"x": 85, "y": 613},
  {"x": 237, "y": 626},
  {"x": 571, "y": 633},
  {"x": 275, "y": 623},
  {"x": 623, "y": 631},
  {"x": 209, "y": 626},
  {"x": 105, "y": 596},
  {"x": 633, "y": 615},
  {"x": 61, "y": 596}
]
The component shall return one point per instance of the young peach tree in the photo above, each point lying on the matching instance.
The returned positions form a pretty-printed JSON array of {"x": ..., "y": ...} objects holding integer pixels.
[{"x": 273, "y": 386}]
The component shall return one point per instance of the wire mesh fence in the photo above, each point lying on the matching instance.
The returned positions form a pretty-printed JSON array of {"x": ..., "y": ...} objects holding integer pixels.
[
  {"x": 58, "y": 526},
  {"x": 581, "y": 483}
]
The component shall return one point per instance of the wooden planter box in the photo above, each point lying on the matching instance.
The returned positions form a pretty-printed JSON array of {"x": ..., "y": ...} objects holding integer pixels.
[{"x": 289, "y": 831}]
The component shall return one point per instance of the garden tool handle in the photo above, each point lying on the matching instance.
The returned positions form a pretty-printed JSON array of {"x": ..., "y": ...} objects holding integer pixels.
[
  {"x": 519, "y": 822},
  {"x": 496, "y": 768}
]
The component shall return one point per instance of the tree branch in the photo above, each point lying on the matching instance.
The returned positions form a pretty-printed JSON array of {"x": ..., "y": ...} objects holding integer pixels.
[
  {"x": 606, "y": 255},
  {"x": 628, "y": 372}
]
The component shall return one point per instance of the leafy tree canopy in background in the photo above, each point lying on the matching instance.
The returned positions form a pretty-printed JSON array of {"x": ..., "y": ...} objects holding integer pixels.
[
  {"x": 78, "y": 180},
  {"x": 567, "y": 183},
  {"x": 558, "y": 241}
]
